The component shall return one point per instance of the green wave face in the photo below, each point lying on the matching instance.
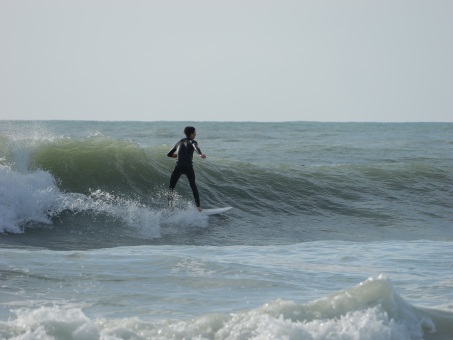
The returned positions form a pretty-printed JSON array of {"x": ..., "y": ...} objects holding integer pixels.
[
  {"x": 100, "y": 163},
  {"x": 127, "y": 169}
]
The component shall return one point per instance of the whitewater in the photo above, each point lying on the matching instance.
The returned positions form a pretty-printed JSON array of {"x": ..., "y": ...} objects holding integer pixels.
[{"x": 338, "y": 231}]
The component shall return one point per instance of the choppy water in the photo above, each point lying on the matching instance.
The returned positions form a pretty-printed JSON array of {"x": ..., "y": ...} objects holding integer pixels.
[{"x": 338, "y": 231}]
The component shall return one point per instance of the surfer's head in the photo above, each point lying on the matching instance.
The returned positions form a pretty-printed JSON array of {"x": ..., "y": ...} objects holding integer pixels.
[{"x": 189, "y": 130}]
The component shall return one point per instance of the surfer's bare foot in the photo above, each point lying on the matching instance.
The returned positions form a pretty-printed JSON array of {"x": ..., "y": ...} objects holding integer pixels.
[{"x": 199, "y": 209}]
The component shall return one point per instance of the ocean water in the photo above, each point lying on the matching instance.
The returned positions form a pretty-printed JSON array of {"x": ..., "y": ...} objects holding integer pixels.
[{"x": 338, "y": 231}]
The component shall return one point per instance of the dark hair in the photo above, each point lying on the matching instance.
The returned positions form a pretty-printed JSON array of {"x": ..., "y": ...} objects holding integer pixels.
[{"x": 189, "y": 130}]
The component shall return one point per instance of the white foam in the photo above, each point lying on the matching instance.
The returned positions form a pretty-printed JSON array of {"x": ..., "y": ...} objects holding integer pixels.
[
  {"x": 365, "y": 313},
  {"x": 50, "y": 323},
  {"x": 32, "y": 198},
  {"x": 61, "y": 322},
  {"x": 26, "y": 198},
  {"x": 144, "y": 220}
]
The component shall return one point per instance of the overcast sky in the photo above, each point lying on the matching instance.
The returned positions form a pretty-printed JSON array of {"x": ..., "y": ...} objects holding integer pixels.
[{"x": 311, "y": 60}]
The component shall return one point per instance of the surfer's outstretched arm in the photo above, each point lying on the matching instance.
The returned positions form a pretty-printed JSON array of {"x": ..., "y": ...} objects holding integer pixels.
[{"x": 197, "y": 149}]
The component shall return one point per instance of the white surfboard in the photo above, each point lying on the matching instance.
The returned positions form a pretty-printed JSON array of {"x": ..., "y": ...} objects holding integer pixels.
[{"x": 214, "y": 211}]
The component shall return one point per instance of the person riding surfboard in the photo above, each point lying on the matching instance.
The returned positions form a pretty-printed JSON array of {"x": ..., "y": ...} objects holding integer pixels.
[{"x": 183, "y": 151}]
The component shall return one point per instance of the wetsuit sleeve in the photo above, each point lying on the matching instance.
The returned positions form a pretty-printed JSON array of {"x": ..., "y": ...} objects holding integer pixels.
[
  {"x": 172, "y": 151},
  {"x": 196, "y": 148}
]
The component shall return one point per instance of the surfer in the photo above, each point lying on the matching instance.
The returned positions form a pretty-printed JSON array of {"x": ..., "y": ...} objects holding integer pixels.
[{"x": 183, "y": 151}]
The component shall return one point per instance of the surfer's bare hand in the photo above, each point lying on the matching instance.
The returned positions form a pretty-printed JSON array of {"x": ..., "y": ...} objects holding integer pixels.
[{"x": 203, "y": 155}]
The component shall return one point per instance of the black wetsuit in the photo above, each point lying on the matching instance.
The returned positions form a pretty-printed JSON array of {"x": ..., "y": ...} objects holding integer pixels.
[{"x": 184, "y": 149}]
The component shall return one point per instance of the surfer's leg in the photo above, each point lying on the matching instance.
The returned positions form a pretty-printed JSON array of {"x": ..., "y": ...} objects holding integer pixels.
[
  {"x": 173, "y": 180},
  {"x": 191, "y": 177}
]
